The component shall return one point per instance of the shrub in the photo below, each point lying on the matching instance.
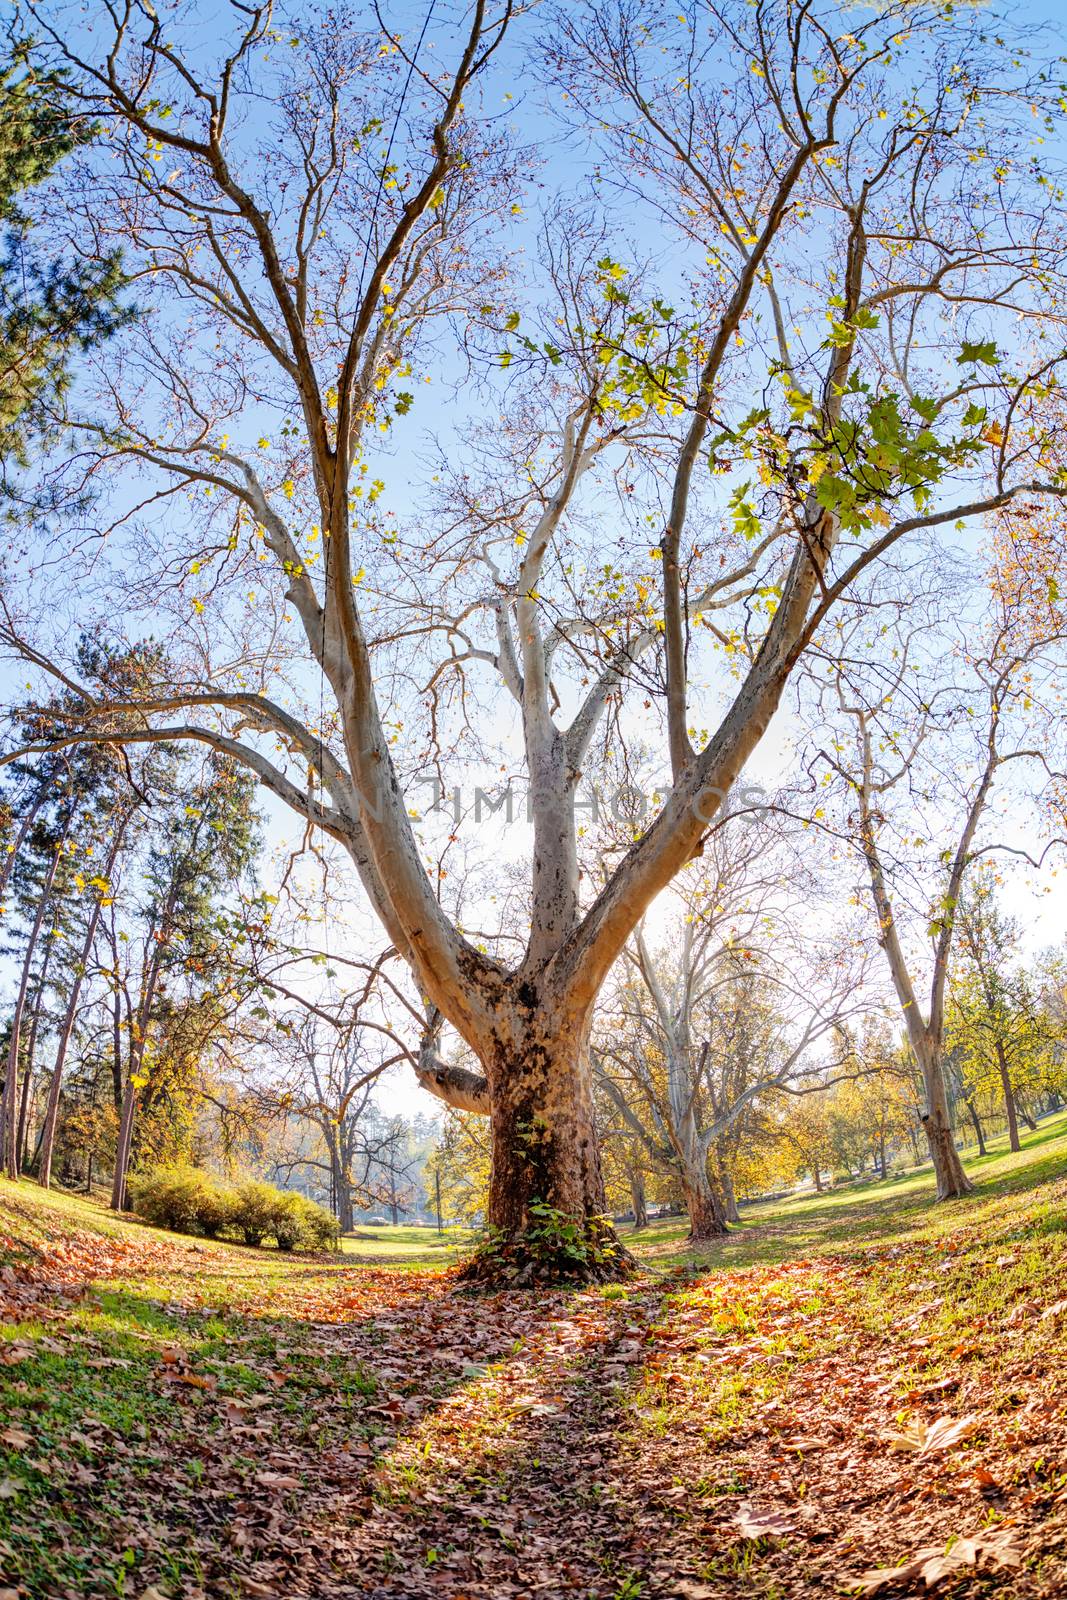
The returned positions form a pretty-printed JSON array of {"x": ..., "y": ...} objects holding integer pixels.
[
  {"x": 187, "y": 1200},
  {"x": 215, "y": 1210},
  {"x": 254, "y": 1210},
  {"x": 300, "y": 1224},
  {"x": 287, "y": 1222},
  {"x": 321, "y": 1231},
  {"x": 171, "y": 1197}
]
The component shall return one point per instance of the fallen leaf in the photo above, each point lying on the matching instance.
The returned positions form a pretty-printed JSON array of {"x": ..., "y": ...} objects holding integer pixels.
[
  {"x": 994, "y": 1547},
  {"x": 763, "y": 1524},
  {"x": 926, "y": 1440},
  {"x": 277, "y": 1480}
]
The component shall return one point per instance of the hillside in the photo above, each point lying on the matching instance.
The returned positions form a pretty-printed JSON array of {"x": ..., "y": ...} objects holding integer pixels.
[{"x": 795, "y": 1415}]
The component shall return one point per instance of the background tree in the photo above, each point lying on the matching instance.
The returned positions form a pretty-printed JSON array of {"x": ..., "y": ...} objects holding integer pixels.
[
  {"x": 208, "y": 840},
  {"x": 740, "y": 1003},
  {"x": 994, "y": 1017},
  {"x": 49, "y": 308},
  {"x": 919, "y": 754}
]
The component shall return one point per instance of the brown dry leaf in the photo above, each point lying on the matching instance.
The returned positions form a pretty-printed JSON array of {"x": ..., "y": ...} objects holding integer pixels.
[
  {"x": 755, "y": 1524},
  {"x": 192, "y": 1380},
  {"x": 277, "y": 1480},
  {"x": 1054, "y": 1310},
  {"x": 534, "y": 1407},
  {"x": 947, "y": 1431},
  {"x": 994, "y": 1547},
  {"x": 887, "y": 1577},
  {"x": 17, "y": 1437},
  {"x": 10, "y": 1487},
  {"x": 926, "y": 1440}
]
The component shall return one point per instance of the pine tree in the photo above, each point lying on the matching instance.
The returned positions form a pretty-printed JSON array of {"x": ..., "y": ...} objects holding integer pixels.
[{"x": 50, "y": 308}]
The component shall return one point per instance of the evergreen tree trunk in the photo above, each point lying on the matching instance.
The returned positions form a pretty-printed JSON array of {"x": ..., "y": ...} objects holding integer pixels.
[
  {"x": 29, "y": 1067},
  {"x": 116, "y": 1050},
  {"x": 7, "y": 866},
  {"x": 137, "y": 1049},
  {"x": 125, "y": 1139},
  {"x": 55, "y": 1088}
]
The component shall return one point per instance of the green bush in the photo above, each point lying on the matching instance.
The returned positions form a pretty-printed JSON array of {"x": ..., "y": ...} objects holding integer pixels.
[
  {"x": 187, "y": 1200},
  {"x": 171, "y": 1197},
  {"x": 214, "y": 1211},
  {"x": 255, "y": 1210},
  {"x": 321, "y": 1230},
  {"x": 300, "y": 1224},
  {"x": 287, "y": 1222}
]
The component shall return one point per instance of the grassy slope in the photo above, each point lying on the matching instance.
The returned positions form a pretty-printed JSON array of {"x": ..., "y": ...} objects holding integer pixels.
[
  {"x": 207, "y": 1420},
  {"x": 895, "y": 1210}
]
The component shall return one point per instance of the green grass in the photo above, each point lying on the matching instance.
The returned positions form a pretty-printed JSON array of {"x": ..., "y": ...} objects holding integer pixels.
[
  {"x": 406, "y": 1246},
  {"x": 898, "y": 1209},
  {"x": 92, "y": 1421}
]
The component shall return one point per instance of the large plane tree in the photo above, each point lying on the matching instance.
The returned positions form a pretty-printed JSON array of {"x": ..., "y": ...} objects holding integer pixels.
[{"x": 795, "y": 297}]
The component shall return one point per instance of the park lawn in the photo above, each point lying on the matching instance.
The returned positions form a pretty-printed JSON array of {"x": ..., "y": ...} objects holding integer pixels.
[
  {"x": 403, "y": 1245},
  {"x": 850, "y": 1388}
]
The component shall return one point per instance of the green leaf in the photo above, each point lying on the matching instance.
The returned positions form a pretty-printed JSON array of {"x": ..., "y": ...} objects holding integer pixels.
[{"x": 984, "y": 352}]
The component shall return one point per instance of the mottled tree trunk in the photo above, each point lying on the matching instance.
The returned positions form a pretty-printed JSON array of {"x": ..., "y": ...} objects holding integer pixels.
[
  {"x": 704, "y": 1206},
  {"x": 729, "y": 1199},
  {"x": 951, "y": 1180},
  {"x": 546, "y": 1213},
  {"x": 637, "y": 1196},
  {"x": 342, "y": 1191}
]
